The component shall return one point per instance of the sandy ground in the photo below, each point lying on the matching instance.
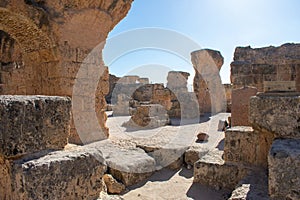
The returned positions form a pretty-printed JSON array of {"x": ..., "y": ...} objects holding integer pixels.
[
  {"x": 168, "y": 184},
  {"x": 173, "y": 185}
]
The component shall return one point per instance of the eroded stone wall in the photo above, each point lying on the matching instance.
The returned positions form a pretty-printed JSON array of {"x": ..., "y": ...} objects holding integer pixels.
[
  {"x": 253, "y": 66},
  {"x": 54, "y": 38}
]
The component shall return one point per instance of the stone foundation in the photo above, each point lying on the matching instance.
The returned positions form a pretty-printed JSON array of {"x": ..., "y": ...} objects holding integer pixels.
[
  {"x": 57, "y": 175},
  {"x": 245, "y": 146},
  {"x": 211, "y": 170}
]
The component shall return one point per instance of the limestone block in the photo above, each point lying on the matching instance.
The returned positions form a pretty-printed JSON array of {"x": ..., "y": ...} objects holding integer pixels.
[
  {"x": 284, "y": 169},
  {"x": 148, "y": 116},
  {"x": 278, "y": 113},
  {"x": 245, "y": 146},
  {"x": 113, "y": 186},
  {"x": 69, "y": 174},
  {"x": 279, "y": 86},
  {"x": 177, "y": 80},
  {"x": 33, "y": 123},
  {"x": 193, "y": 154},
  {"x": 129, "y": 166},
  {"x": 240, "y": 105},
  {"x": 211, "y": 170}
]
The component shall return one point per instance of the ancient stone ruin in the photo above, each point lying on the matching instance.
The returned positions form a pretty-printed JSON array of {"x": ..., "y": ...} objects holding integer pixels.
[
  {"x": 254, "y": 69},
  {"x": 207, "y": 83},
  {"x": 50, "y": 65}
]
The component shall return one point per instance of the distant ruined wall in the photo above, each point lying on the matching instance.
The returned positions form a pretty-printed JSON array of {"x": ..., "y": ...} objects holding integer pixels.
[
  {"x": 253, "y": 66},
  {"x": 44, "y": 43}
]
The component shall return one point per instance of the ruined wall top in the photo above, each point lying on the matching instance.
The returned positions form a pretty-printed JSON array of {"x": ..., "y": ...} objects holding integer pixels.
[{"x": 285, "y": 54}]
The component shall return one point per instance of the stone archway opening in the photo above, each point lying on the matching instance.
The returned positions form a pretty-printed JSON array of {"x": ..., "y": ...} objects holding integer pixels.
[{"x": 12, "y": 66}]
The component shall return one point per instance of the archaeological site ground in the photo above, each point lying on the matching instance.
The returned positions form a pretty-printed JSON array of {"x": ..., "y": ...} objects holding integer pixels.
[{"x": 69, "y": 129}]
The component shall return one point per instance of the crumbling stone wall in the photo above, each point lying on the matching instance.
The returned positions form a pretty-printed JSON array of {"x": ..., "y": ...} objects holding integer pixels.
[
  {"x": 55, "y": 37},
  {"x": 207, "y": 83},
  {"x": 253, "y": 66}
]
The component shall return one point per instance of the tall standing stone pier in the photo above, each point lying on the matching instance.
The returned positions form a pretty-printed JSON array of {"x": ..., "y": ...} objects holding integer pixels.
[{"x": 207, "y": 82}]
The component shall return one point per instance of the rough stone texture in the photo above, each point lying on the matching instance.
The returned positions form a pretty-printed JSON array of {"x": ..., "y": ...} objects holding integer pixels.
[
  {"x": 240, "y": 105},
  {"x": 33, "y": 123},
  {"x": 128, "y": 165},
  {"x": 279, "y": 86},
  {"x": 113, "y": 186},
  {"x": 112, "y": 83},
  {"x": 252, "y": 187},
  {"x": 154, "y": 94},
  {"x": 207, "y": 83},
  {"x": 284, "y": 169},
  {"x": 148, "y": 116},
  {"x": 177, "y": 80},
  {"x": 193, "y": 154},
  {"x": 213, "y": 171},
  {"x": 70, "y": 174},
  {"x": 251, "y": 67},
  {"x": 143, "y": 80},
  {"x": 228, "y": 93},
  {"x": 245, "y": 146},
  {"x": 277, "y": 113},
  {"x": 133, "y": 79},
  {"x": 55, "y": 37}
]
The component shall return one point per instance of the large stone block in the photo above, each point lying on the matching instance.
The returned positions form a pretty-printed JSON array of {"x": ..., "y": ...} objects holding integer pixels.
[
  {"x": 70, "y": 174},
  {"x": 278, "y": 113},
  {"x": 211, "y": 170},
  {"x": 240, "y": 105},
  {"x": 33, "y": 123},
  {"x": 129, "y": 165},
  {"x": 243, "y": 145},
  {"x": 284, "y": 169}
]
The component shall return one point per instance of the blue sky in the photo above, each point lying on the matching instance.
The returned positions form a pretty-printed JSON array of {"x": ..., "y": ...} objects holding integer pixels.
[{"x": 216, "y": 24}]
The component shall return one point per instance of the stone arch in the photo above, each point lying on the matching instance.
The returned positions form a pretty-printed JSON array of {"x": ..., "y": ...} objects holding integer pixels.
[{"x": 38, "y": 54}]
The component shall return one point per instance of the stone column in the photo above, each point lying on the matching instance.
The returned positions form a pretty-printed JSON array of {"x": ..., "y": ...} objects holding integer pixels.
[{"x": 207, "y": 82}]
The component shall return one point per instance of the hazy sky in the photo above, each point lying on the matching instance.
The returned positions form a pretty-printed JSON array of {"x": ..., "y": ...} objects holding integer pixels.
[{"x": 216, "y": 24}]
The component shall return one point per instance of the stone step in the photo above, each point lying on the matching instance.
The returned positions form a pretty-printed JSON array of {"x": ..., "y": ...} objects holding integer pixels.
[
  {"x": 211, "y": 170},
  {"x": 245, "y": 146},
  {"x": 68, "y": 174},
  {"x": 252, "y": 187},
  {"x": 129, "y": 165}
]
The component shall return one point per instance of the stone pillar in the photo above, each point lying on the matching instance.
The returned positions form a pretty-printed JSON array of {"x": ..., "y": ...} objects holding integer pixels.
[{"x": 207, "y": 82}]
